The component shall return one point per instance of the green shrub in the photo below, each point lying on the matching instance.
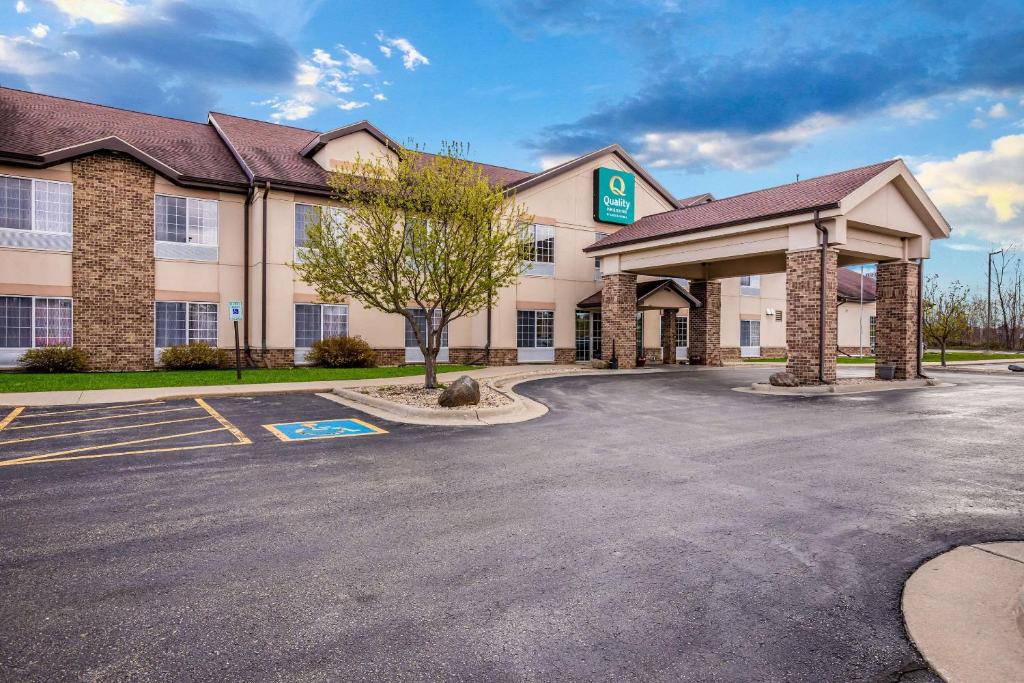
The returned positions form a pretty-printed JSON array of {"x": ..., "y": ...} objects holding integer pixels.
[
  {"x": 342, "y": 352},
  {"x": 53, "y": 359},
  {"x": 195, "y": 356}
]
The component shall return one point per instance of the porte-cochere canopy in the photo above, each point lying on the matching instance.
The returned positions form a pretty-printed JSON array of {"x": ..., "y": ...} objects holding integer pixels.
[{"x": 874, "y": 214}]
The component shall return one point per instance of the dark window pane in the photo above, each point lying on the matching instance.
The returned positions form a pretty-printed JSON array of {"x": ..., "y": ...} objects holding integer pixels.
[
  {"x": 15, "y": 322},
  {"x": 307, "y": 325},
  {"x": 171, "y": 223},
  {"x": 15, "y": 203},
  {"x": 171, "y": 323}
]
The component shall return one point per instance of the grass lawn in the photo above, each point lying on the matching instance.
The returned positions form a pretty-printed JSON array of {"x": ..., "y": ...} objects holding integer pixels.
[
  {"x": 17, "y": 381},
  {"x": 929, "y": 357}
]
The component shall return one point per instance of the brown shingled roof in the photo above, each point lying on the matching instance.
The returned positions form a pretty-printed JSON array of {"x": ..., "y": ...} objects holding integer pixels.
[
  {"x": 33, "y": 125},
  {"x": 850, "y": 285},
  {"x": 783, "y": 200}
]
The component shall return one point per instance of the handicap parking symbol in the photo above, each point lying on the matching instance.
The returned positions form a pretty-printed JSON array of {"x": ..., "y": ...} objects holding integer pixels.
[{"x": 322, "y": 429}]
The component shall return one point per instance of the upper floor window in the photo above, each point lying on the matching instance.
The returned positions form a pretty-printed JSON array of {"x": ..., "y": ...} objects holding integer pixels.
[
  {"x": 36, "y": 205},
  {"x": 540, "y": 259},
  {"x": 186, "y": 220},
  {"x": 307, "y": 215},
  {"x": 750, "y": 285},
  {"x": 27, "y": 322}
]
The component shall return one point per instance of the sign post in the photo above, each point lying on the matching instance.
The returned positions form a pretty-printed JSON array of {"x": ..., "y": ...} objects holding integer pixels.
[{"x": 235, "y": 308}]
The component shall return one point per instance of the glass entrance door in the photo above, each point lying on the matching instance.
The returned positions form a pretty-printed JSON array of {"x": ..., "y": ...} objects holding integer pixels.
[
  {"x": 750, "y": 338},
  {"x": 588, "y": 336}
]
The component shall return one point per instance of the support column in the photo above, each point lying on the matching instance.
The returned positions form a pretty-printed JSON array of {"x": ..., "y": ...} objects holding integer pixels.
[
  {"x": 618, "y": 318},
  {"x": 803, "y": 321},
  {"x": 668, "y": 336},
  {"x": 705, "y": 343},
  {"x": 896, "y": 315}
]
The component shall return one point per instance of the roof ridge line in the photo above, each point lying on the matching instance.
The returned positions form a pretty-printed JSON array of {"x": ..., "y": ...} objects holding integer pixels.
[
  {"x": 273, "y": 123},
  {"x": 104, "y": 106},
  {"x": 887, "y": 163}
]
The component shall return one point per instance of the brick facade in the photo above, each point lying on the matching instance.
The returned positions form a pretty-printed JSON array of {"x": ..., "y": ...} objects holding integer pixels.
[
  {"x": 896, "y": 316},
  {"x": 668, "y": 335},
  {"x": 803, "y": 307},
  {"x": 503, "y": 357},
  {"x": 112, "y": 266},
  {"x": 706, "y": 324},
  {"x": 730, "y": 354},
  {"x": 273, "y": 358},
  {"x": 390, "y": 356},
  {"x": 773, "y": 352},
  {"x": 618, "y": 318}
]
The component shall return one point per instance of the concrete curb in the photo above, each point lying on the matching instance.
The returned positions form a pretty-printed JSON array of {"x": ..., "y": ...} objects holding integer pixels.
[
  {"x": 834, "y": 389},
  {"x": 521, "y": 409},
  {"x": 963, "y": 611}
]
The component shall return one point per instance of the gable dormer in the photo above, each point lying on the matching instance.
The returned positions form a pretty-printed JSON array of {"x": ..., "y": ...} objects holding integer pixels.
[{"x": 340, "y": 147}]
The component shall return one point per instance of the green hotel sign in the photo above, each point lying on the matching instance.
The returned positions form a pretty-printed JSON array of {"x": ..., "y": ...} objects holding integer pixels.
[{"x": 614, "y": 196}]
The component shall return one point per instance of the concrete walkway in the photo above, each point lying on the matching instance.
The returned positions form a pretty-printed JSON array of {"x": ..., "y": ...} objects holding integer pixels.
[
  {"x": 99, "y": 396},
  {"x": 964, "y": 612}
]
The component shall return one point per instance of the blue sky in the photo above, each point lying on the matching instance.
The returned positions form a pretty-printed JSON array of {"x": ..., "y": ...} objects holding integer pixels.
[{"x": 715, "y": 96}]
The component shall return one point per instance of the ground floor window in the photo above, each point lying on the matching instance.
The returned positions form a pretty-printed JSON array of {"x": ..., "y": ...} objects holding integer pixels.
[
  {"x": 535, "y": 336},
  {"x": 640, "y": 334},
  {"x": 682, "y": 331},
  {"x": 413, "y": 353},
  {"x": 872, "y": 331},
  {"x": 750, "y": 337},
  {"x": 315, "y": 322},
  {"x": 588, "y": 335},
  {"x": 185, "y": 322},
  {"x": 32, "y": 321}
]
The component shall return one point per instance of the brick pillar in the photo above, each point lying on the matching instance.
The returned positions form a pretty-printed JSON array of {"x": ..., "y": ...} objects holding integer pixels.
[
  {"x": 618, "y": 318},
  {"x": 705, "y": 346},
  {"x": 803, "y": 304},
  {"x": 112, "y": 266},
  {"x": 896, "y": 311},
  {"x": 668, "y": 336}
]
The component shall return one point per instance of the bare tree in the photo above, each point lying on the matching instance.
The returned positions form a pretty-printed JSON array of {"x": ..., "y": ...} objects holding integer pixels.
[
  {"x": 1008, "y": 279},
  {"x": 945, "y": 314}
]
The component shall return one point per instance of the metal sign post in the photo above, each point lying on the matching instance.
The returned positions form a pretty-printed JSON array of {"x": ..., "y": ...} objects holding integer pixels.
[{"x": 235, "y": 308}]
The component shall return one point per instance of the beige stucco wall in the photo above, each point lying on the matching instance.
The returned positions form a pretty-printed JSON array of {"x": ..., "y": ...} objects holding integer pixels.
[
  {"x": 737, "y": 306},
  {"x": 855, "y": 325}
]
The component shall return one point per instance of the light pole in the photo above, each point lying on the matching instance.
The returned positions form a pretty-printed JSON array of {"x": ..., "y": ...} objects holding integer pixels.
[{"x": 988, "y": 325}]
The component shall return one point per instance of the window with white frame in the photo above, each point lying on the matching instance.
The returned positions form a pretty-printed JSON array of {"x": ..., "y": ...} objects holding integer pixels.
[
  {"x": 750, "y": 285},
  {"x": 29, "y": 322},
  {"x": 682, "y": 330},
  {"x": 316, "y": 322},
  {"x": 872, "y": 331},
  {"x": 540, "y": 259},
  {"x": 421, "y": 322},
  {"x": 312, "y": 214},
  {"x": 35, "y": 214},
  {"x": 185, "y": 322},
  {"x": 186, "y": 220},
  {"x": 598, "y": 236},
  {"x": 535, "y": 329}
]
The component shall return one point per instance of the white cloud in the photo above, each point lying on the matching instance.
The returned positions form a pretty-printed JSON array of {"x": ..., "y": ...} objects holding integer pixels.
[
  {"x": 998, "y": 111},
  {"x": 351, "y": 104},
  {"x": 358, "y": 63},
  {"x": 25, "y": 57},
  {"x": 21, "y": 8},
  {"x": 411, "y": 57},
  {"x": 981, "y": 193},
  {"x": 98, "y": 11},
  {"x": 556, "y": 160},
  {"x": 307, "y": 75},
  {"x": 977, "y": 123},
  {"x": 380, "y": 97},
  {"x": 917, "y": 110},
  {"x": 40, "y": 31},
  {"x": 735, "y": 151},
  {"x": 290, "y": 109},
  {"x": 324, "y": 59},
  {"x": 963, "y": 246}
]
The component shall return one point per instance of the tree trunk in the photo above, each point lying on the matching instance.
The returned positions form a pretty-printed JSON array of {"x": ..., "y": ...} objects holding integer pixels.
[
  {"x": 942, "y": 352},
  {"x": 430, "y": 369}
]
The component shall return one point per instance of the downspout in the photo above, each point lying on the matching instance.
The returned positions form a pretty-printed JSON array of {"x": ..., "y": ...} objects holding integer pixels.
[
  {"x": 920, "y": 316},
  {"x": 245, "y": 273},
  {"x": 263, "y": 296},
  {"x": 821, "y": 306}
]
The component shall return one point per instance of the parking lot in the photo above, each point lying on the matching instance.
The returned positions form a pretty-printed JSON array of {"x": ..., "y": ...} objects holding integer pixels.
[{"x": 656, "y": 527}]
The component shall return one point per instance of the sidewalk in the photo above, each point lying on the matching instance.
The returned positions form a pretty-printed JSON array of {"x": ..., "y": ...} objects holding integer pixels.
[
  {"x": 964, "y": 610},
  {"x": 57, "y": 398}
]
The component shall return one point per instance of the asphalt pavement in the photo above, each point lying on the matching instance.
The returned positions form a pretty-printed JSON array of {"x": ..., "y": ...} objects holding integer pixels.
[{"x": 649, "y": 527}]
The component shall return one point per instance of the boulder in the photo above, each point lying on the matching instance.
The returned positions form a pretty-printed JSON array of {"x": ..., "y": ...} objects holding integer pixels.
[
  {"x": 599, "y": 364},
  {"x": 465, "y": 391},
  {"x": 1016, "y": 368},
  {"x": 783, "y": 379}
]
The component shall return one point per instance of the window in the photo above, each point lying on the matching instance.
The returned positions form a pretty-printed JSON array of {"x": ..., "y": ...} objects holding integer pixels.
[
  {"x": 750, "y": 335},
  {"x": 750, "y": 285},
  {"x": 598, "y": 236},
  {"x": 314, "y": 322},
  {"x": 311, "y": 214},
  {"x": 421, "y": 322},
  {"x": 28, "y": 322},
  {"x": 186, "y": 220},
  {"x": 535, "y": 329},
  {"x": 682, "y": 330},
  {"x": 540, "y": 259},
  {"x": 185, "y": 322},
  {"x": 36, "y": 205},
  {"x": 588, "y": 335},
  {"x": 872, "y": 331}
]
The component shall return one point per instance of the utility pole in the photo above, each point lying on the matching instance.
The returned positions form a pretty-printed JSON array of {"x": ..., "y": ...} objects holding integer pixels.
[{"x": 988, "y": 325}]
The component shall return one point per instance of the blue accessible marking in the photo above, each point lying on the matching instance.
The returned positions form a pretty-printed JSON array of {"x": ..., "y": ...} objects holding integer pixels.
[{"x": 322, "y": 429}]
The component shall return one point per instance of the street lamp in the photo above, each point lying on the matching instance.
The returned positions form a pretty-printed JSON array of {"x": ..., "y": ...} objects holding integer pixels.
[{"x": 988, "y": 327}]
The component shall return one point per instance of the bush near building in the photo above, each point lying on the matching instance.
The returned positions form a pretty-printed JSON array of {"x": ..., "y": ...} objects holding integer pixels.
[
  {"x": 342, "y": 352},
  {"x": 195, "y": 356},
  {"x": 53, "y": 359}
]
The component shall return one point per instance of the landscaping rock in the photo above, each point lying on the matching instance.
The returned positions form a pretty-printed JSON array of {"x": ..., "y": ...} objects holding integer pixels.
[
  {"x": 465, "y": 391},
  {"x": 1016, "y": 368},
  {"x": 599, "y": 364},
  {"x": 783, "y": 379}
]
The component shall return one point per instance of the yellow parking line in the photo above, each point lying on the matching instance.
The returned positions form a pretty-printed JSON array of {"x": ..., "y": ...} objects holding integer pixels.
[
  {"x": 86, "y": 410},
  {"x": 44, "y": 456},
  {"x": 111, "y": 455},
  {"x": 103, "y": 429},
  {"x": 10, "y": 417},
  {"x": 105, "y": 417},
  {"x": 242, "y": 438}
]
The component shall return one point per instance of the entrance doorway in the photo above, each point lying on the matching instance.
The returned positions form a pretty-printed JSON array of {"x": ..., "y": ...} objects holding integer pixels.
[
  {"x": 750, "y": 338},
  {"x": 682, "y": 337},
  {"x": 588, "y": 336}
]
